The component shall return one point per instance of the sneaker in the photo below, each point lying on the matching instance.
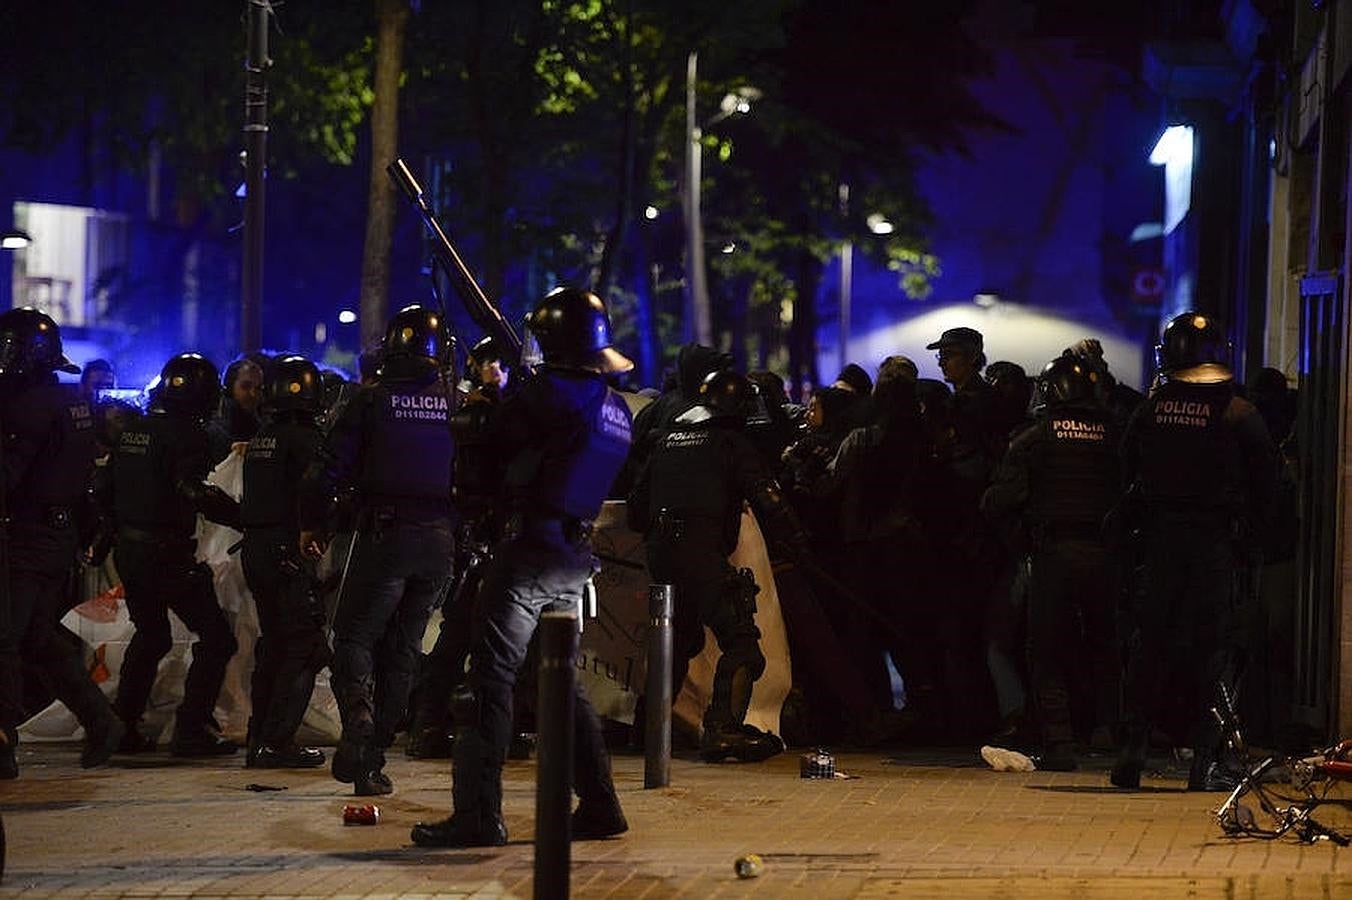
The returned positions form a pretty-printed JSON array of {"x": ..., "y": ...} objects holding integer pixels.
[
  {"x": 460, "y": 831},
  {"x": 101, "y": 741},
  {"x": 201, "y": 742},
  {"x": 595, "y": 822},
  {"x": 374, "y": 783},
  {"x": 291, "y": 756}
]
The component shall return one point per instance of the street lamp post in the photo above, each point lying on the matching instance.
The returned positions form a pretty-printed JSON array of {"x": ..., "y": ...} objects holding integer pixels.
[{"x": 698, "y": 323}]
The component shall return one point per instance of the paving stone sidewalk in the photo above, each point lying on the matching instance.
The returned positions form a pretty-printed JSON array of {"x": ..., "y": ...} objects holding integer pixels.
[{"x": 919, "y": 825}]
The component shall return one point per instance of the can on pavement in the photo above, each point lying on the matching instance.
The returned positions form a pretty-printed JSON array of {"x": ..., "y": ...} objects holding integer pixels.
[
  {"x": 361, "y": 815},
  {"x": 817, "y": 764},
  {"x": 749, "y": 866}
]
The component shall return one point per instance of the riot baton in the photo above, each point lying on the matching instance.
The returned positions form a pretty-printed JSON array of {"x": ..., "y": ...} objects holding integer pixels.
[
  {"x": 554, "y": 773},
  {"x": 657, "y": 697},
  {"x": 476, "y": 302}
]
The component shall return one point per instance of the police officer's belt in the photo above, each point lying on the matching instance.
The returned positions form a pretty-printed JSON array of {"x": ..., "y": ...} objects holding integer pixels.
[
  {"x": 51, "y": 516},
  {"x": 408, "y": 509},
  {"x": 149, "y": 536},
  {"x": 1070, "y": 531}
]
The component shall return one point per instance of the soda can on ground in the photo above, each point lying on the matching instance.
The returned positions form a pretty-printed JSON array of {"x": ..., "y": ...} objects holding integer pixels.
[{"x": 366, "y": 814}]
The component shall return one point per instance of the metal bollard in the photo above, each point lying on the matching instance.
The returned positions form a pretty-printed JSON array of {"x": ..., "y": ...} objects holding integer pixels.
[
  {"x": 554, "y": 772},
  {"x": 658, "y": 695}
]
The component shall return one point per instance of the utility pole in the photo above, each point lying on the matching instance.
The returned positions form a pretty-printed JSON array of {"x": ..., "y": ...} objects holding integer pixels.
[
  {"x": 255, "y": 168},
  {"x": 698, "y": 325}
]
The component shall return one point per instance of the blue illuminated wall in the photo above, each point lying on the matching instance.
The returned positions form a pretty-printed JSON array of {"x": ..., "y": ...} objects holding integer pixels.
[{"x": 1040, "y": 217}]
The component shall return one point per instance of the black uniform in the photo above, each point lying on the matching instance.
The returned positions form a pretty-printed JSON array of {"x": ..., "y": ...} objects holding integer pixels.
[
  {"x": 159, "y": 469},
  {"x": 48, "y": 458},
  {"x": 291, "y": 647},
  {"x": 1206, "y": 471},
  {"x": 1061, "y": 476},
  {"x": 688, "y": 503},
  {"x": 392, "y": 445},
  {"x": 564, "y": 437}
]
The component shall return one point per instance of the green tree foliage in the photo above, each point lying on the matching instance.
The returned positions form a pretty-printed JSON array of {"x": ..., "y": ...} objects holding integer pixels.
[{"x": 129, "y": 76}]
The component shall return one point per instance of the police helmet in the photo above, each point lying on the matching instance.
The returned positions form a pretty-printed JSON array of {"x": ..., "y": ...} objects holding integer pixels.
[
  {"x": 294, "y": 383},
  {"x": 1193, "y": 349},
  {"x": 725, "y": 393},
  {"x": 416, "y": 332},
  {"x": 1069, "y": 381},
  {"x": 189, "y": 385},
  {"x": 30, "y": 344},
  {"x": 487, "y": 350},
  {"x": 573, "y": 330}
]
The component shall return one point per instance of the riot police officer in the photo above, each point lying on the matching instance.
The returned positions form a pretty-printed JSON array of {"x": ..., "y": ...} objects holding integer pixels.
[
  {"x": 292, "y": 646},
  {"x": 1204, "y": 467},
  {"x": 688, "y": 503},
  {"x": 46, "y": 459},
  {"x": 159, "y": 486},
  {"x": 477, "y": 477},
  {"x": 1058, "y": 480},
  {"x": 564, "y": 435},
  {"x": 392, "y": 445}
]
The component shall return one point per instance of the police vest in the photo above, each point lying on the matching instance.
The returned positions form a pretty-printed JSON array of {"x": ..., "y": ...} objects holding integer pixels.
[
  {"x": 409, "y": 447},
  {"x": 570, "y": 471},
  {"x": 691, "y": 474},
  {"x": 273, "y": 464},
  {"x": 152, "y": 453},
  {"x": 1074, "y": 472},
  {"x": 1189, "y": 458},
  {"x": 58, "y": 474}
]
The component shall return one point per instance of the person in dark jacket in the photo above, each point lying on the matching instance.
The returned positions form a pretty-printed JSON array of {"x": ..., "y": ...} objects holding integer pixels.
[
  {"x": 1054, "y": 487},
  {"x": 1203, "y": 465},
  {"x": 45, "y": 463},
  {"x": 158, "y": 488},
  {"x": 564, "y": 436},
  {"x": 291, "y": 647},
  {"x": 392, "y": 445},
  {"x": 688, "y": 504},
  {"x": 236, "y": 421}
]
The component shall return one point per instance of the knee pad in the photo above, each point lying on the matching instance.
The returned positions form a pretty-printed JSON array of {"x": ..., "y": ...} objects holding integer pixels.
[{"x": 743, "y": 652}]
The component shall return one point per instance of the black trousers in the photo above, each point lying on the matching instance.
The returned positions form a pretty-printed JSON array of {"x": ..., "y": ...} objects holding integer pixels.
[
  {"x": 709, "y": 591},
  {"x": 291, "y": 646},
  {"x": 398, "y": 573},
  {"x": 1071, "y": 603},
  {"x": 159, "y": 578},
  {"x": 1184, "y": 622},
  {"x": 40, "y": 558},
  {"x": 540, "y": 569}
]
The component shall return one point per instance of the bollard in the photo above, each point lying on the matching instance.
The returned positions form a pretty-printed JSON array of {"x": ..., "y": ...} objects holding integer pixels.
[
  {"x": 554, "y": 772},
  {"x": 658, "y": 696}
]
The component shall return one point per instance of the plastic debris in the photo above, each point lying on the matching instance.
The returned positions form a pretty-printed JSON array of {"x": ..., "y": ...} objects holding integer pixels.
[{"x": 1003, "y": 760}]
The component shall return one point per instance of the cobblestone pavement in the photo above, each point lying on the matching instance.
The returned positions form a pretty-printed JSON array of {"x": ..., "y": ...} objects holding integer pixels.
[{"x": 920, "y": 825}]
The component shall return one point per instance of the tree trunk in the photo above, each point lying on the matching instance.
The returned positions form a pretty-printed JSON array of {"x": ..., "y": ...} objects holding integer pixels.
[
  {"x": 803, "y": 331},
  {"x": 392, "y": 21},
  {"x": 624, "y": 203}
]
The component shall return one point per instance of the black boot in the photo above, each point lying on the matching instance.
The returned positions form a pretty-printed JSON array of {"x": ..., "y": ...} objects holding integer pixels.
[
  {"x": 597, "y": 820},
  {"x": 743, "y": 743},
  {"x": 476, "y": 792},
  {"x": 286, "y": 756},
  {"x": 201, "y": 740},
  {"x": 347, "y": 760},
  {"x": 102, "y": 739},
  {"x": 1126, "y": 772}
]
